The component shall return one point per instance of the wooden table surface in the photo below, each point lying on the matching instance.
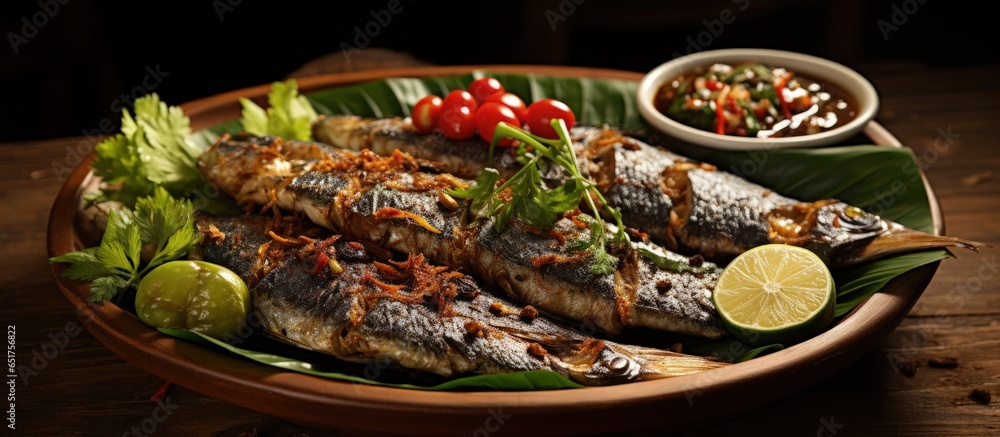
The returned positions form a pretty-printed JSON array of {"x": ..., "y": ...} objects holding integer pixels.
[{"x": 948, "y": 116}]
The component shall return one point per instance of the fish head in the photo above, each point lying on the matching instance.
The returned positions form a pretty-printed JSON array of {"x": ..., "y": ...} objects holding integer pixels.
[
  {"x": 843, "y": 234},
  {"x": 841, "y": 229},
  {"x": 609, "y": 366},
  {"x": 608, "y": 363}
]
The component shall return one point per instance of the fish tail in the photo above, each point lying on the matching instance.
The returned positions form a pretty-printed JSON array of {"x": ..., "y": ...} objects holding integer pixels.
[{"x": 902, "y": 239}]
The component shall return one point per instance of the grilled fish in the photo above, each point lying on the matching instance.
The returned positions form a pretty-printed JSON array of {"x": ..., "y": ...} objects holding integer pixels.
[
  {"x": 320, "y": 292},
  {"x": 684, "y": 205},
  {"x": 392, "y": 202}
]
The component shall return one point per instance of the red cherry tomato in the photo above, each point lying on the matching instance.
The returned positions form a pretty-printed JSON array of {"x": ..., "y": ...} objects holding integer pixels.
[
  {"x": 511, "y": 101},
  {"x": 487, "y": 117},
  {"x": 457, "y": 119},
  {"x": 542, "y": 111},
  {"x": 484, "y": 87},
  {"x": 457, "y": 122},
  {"x": 426, "y": 112},
  {"x": 460, "y": 98}
]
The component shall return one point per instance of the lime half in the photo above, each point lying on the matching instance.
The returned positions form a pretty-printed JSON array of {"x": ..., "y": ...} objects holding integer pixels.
[{"x": 774, "y": 294}]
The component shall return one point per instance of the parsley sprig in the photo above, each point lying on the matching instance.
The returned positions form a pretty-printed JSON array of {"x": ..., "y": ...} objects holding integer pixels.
[
  {"x": 159, "y": 222},
  {"x": 524, "y": 195}
]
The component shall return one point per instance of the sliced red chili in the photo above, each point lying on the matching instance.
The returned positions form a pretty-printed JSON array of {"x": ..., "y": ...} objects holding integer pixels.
[{"x": 779, "y": 89}]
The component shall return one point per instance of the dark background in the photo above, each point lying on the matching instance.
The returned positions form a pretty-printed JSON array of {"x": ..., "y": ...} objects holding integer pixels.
[{"x": 64, "y": 80}]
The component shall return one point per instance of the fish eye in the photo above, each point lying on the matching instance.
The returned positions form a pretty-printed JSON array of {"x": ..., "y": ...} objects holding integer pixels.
[
  {"x": 855, "y": 218},
  {"x": 617, "y": 364}
]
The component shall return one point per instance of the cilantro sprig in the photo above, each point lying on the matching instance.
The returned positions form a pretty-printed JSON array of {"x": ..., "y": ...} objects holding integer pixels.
[
  {"x": 159, "y": 224},
  {"x": 289, "y": 114},
  {"x": 524, "y": 195}
]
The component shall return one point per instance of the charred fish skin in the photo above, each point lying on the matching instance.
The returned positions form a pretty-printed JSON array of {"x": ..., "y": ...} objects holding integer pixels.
[
  {"x": 401, "y": 209},
  {"x": 630, "y": 177},
  {"x": 414, "y": 315},
  {"x": 462, "y": 158},
  {"x": 535, "y": 268},
  {"x": 666, "y": 295},
  {"x": 682, "y": 204},
  {"x": 726, "y": 214}
]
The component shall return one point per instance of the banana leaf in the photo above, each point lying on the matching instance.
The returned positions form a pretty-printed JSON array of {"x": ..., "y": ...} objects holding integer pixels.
[{"x": 882, "y": 180}]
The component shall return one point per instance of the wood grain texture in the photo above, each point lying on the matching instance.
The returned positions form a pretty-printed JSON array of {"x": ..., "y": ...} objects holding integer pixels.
[{"x": 87, "y": 390}]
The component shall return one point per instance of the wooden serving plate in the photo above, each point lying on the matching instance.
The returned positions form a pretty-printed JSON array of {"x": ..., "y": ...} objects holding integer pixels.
[{"x": 677, "y": 403}]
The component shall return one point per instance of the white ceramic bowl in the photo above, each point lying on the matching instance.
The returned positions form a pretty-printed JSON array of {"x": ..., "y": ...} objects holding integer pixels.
[{"x": 846, "y": 79}]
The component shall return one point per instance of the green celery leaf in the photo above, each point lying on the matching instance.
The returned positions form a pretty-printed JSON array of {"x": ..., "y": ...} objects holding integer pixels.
[
  {"x": 159, "y": 216},
  {"x": 118, "y": 163},
  {"x": 156, "y": 148},
  {"x": 177, "y": 246},
  {"x": 102, "y": 289},
  {"x": 120, "y": 245},
  {"x": 86, "y": 266},
  {"x": 289, "y": 115},
  {"x": 132, "y": 246},
  {"x": 168, "y": 224},
  {"x": 254, "y": 117},
  {"x": 161, "y": 134},
  {"x": 114, "y": 265}
]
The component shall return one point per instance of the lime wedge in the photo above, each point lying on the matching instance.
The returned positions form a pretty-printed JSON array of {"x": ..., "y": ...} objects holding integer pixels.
[{"x": 775, "y": 294}]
